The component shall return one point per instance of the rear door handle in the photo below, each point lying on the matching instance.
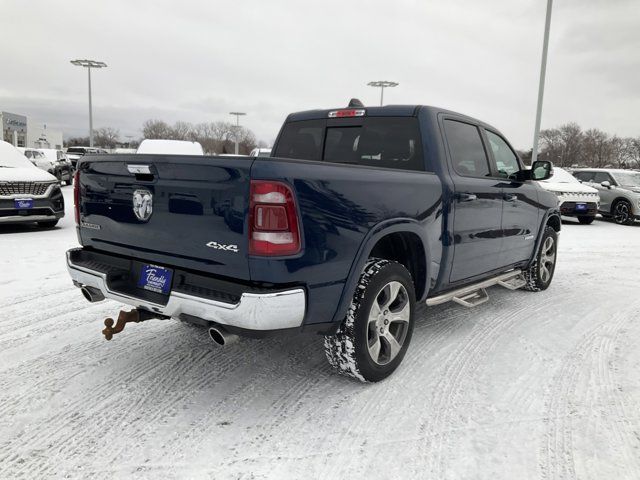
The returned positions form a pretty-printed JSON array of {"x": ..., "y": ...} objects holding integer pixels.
[
  {"x": 510, "y": 197},
  {"x": 466, "y": 197}
]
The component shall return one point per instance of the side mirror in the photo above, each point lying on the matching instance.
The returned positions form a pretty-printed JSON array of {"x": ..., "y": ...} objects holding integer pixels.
[
  {"x": 606, "y": 184},
  {"x": 541, "y": 170}
]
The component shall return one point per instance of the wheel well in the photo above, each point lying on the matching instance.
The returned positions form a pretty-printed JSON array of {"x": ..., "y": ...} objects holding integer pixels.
[
  {"x": 554, "y": 222},
  {"x": 618, "y": 200},
  {"x": 405, "y": 248}
]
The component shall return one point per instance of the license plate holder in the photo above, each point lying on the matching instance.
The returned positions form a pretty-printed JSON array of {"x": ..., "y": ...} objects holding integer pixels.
[
  {"x": 155, "y": 278},
  {"x": 581, "y": 207},
  {"x": 23, "y": 203}
]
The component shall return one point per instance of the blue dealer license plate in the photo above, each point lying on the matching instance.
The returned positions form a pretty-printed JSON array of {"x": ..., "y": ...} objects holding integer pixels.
[
  {"x": 155, "y": 279},
  {"x": 23, "y": 203},
  {"x": 581, "y": 207}
]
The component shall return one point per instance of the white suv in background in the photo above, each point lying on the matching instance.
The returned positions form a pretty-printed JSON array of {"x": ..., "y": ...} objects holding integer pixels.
[{"x": 574, "y": 198}]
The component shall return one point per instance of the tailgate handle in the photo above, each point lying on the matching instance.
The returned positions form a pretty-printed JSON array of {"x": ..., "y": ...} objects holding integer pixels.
[{"x": 144, "y": 169}]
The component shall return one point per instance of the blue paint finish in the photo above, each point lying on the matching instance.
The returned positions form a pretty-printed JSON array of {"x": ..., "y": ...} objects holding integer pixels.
[{"x": 344, "y": 211}]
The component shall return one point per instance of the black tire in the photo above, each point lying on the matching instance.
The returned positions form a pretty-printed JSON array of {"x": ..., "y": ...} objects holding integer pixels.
[
  {"x": 622, "y": 213},
  {"x": 349, "y": 350},
  {"x": 540, "y": 273},
  {"x": 48, "y": 224},
  {"x": 586, "y": 220}
]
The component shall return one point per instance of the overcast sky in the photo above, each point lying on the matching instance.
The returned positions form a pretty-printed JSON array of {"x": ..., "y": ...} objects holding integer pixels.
[{"x": 197, "y": 60}]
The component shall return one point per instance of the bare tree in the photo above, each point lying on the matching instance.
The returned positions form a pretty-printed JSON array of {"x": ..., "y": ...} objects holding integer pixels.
[
  {"x": 156, "y": 129},
  {"x": 106, "y": 137}
]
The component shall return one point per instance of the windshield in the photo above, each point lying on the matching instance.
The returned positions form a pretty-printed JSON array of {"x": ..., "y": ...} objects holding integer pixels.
[
  {"x": 628, "y": 179},
  {"x": 75, "y": 150},
  {"x": 10, "y": 157},
  {"x": 561, "y": 176}
]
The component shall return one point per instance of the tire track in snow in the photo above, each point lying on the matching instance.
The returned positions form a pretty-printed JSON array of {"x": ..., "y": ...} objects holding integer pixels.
[
  {"x": 440, "y": 322},
  {"x": 459, "y": 366},
  {"x": 558, "y": 448}
]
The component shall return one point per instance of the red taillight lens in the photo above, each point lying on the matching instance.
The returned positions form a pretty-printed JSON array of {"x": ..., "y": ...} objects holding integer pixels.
[
  {"x": 350, "y": 112},
  {"x": 273, "y": 220},
  {"x": 76, "y": 196}
]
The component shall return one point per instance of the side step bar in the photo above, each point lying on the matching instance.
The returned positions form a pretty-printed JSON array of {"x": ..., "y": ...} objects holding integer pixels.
[{"x": 476, "y": 294}]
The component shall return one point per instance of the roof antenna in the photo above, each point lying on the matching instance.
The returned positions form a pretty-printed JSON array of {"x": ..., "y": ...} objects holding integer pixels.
[{"x": 354, "y": 102}]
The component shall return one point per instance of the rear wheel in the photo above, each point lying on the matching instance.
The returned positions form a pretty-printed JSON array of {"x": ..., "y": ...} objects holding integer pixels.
[
  {"x": 539, "y": 275},
  {"x": 375, "y": 335},
  {"x": 586, "y": 220},
  {"x": 622, "y": 213}
]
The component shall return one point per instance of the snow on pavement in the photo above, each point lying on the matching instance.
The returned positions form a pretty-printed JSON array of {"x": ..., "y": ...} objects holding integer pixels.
[{"x": 528, "y": 385}]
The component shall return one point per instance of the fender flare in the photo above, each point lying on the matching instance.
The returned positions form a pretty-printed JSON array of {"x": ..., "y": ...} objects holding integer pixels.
[
  {"x": 545, "y": 220},
  {"x": 376, "y": 233}
]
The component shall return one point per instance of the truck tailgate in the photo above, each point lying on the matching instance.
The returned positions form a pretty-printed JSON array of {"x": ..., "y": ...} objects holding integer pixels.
[{"x": 188, "y": 211}]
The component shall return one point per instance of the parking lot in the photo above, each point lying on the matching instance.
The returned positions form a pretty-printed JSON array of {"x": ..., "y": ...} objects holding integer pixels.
[{"x": 527, "y": 385}]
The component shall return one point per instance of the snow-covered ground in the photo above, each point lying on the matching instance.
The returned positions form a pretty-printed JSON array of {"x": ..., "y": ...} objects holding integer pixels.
[{"x": 526, "y": 386}]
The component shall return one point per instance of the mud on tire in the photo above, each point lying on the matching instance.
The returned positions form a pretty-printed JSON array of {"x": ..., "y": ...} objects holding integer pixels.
[{"x": 349, "y": 351}]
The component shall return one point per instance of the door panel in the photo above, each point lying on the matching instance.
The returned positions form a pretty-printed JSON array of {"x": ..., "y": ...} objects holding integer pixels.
[
  {"x": 520, "y": 220},
  {"x": 477, "y": 227},
  {"x": 477, "y": 208}
]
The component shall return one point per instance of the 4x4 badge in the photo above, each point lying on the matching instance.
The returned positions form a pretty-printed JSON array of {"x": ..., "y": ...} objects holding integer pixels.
[{"x": 222, "y": 246}]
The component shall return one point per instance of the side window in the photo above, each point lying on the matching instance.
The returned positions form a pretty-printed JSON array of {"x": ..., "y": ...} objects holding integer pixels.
[
  {"x": 583, "y": 176},
  {"x": 28, "y": 154},
  {"x": 467, "y": 151},
  {"x": 506, "y": 161},
  {"x": 600, "y": 177}
]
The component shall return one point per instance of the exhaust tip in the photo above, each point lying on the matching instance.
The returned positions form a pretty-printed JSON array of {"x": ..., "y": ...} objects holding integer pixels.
[
  {"x": 221, "y": 337},
  {"x": 92, "y": 294},
  {"x": 217, "y": 336}
]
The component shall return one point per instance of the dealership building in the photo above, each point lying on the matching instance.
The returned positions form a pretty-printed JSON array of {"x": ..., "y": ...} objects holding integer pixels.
[{"x": 19, "y": 131}]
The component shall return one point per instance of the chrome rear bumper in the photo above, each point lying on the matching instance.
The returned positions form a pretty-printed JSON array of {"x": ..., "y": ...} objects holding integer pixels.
[{"x": 263, "y": 311}]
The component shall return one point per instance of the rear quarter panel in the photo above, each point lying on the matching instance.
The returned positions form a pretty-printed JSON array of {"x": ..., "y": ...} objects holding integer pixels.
[{"x": 343, "y": 210}]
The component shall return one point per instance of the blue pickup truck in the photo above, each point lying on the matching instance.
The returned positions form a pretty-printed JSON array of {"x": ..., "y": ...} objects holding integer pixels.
[{"x": 359, "y": 214}]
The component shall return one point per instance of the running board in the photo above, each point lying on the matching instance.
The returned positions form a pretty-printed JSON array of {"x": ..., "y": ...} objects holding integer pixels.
[{"x": 476, "y": 294}]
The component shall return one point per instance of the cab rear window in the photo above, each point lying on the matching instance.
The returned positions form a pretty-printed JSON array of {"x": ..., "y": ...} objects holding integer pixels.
[{"x": 387, "y": 142}]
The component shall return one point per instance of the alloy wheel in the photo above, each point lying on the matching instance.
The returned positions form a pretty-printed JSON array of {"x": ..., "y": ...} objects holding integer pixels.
[
  {"x": 388, "y": 323},
  {"x": 621, "y": 213},
  {"x": 547, "y": 259}
]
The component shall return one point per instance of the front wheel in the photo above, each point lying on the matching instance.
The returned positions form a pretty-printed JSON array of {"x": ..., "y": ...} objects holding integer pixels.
[
  {"x": 540, "y": 273},
  {"x": 586, "y": 220},
  {"x": 48, "y": 224},
  {"x": 622, "y": 213},
  {"x": 374, "y": 337}
]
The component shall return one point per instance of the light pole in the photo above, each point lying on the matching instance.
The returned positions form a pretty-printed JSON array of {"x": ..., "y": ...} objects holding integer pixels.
[
  {"x": 543, "y": 71},
  {"x": 89, "y": 64},
  {"x": 237, "y": 114},
  {"x": 382, "y": 84}
]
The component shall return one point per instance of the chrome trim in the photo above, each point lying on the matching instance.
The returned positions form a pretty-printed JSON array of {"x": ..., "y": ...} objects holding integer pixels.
[
  {"x": 254, "y": 311},
  {"x": 27, "y": 218},
  {"x": 139, "y": 168},
  {"x": 460, "y": 292},
  {"x": 46, "y": 193}
]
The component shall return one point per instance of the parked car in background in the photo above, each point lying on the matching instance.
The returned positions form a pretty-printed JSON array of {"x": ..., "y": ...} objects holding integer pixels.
[
  {"x": 63, "y": 170},
  {"x": 170, "y": 147},
  {"x": 39, "y": 159},
  {"x": 574, "y": 198},
  {"x": 260, "y": 152},
  {"x": 27, "y": 193},
  {"x": 363, "y": 213},
  {"x": 619, "y": 192},
  {"x": 75, "y": 153}
]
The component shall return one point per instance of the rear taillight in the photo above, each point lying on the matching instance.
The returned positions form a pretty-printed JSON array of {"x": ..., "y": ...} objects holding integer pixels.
[
  {"x": 349, "y": 112},
  {"x": 76, "y": 196},
  {"x": 273, "y": 220}
]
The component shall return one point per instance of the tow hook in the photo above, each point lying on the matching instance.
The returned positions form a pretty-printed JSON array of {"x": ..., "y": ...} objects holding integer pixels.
[{"x": 134, "y": 315}]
